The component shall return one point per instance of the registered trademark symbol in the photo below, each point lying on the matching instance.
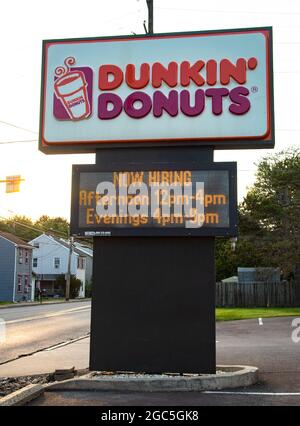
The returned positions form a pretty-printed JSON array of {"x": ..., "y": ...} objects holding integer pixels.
[{"x": 254, "y": 89}]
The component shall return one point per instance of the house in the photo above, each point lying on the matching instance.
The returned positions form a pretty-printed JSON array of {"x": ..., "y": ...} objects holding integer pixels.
[
  {"x": 258, "y": 275},
  {"x": 255, "y": 275},
  {"x": 15, "y": 269},
  {"x": 87, "y": 252},
  {"x": 50, "y": 261}
]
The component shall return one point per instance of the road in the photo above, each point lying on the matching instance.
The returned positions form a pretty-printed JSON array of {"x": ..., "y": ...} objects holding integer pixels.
[
  {"x": 31, "y": 329},
  {"x": 267, "y": 345}
]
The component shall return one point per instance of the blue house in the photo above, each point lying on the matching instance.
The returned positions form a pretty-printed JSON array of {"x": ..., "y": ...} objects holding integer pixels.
[{"x": 15, "y": 269}]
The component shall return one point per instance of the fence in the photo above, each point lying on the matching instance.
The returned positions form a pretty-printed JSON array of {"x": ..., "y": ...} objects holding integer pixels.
[{"x": 280, "y": 294}]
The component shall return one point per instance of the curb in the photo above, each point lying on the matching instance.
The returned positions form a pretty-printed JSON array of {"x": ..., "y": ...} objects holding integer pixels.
[
  {"x": 29, "y": 304},
  {"x": 229, "y": 377},
  {"x": 22, "y": 396}
]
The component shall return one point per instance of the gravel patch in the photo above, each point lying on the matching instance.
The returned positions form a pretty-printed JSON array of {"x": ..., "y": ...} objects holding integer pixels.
[
  {"x": 131, "y": 375},
  {"x": 12, "y": 384}
]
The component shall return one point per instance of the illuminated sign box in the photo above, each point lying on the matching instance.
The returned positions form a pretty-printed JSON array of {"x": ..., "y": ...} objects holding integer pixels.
[
  {"x": 154, "y": 202},
  {"x": 208, "y": 88}
]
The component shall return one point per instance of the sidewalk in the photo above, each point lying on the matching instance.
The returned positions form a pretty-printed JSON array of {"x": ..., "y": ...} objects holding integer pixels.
[
  {"x": 47, "y": 302},
  {"x": 64, "y": 356}
]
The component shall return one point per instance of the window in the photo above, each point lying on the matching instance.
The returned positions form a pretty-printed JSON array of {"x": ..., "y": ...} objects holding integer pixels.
[
  {"x": 26, "y": 257},
  {"x": 36, "y": 245},
  {"x": 20, "y": 254},
  {"x": 35, "y": 262},
  {"x": 19, "y": 283},
  {"x": 80, "y": 263},
  {"x": 56, "y": 262}
]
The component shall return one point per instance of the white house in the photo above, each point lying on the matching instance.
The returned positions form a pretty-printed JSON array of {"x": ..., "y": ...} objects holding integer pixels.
[
  {"x": 88, "y": 253},
  {"x": 50, "y": 260}
]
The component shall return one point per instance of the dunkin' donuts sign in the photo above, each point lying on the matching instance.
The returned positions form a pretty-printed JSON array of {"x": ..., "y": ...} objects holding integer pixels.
[{"x": 210, "y": 88}]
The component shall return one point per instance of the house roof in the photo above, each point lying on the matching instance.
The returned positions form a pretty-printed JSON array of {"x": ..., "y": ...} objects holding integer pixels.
[
  {"x": 233, "y": 279},
  {"x": 77, "y": 248},
  {"x": 15, "y": 240},
  {"x": 86, "y": 251}
]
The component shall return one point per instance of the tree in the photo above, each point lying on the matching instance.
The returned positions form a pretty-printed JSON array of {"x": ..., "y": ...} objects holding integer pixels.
[
  {"x": 88, "y": 288},
  {"x": 74, "y": 286},
  {"x": 273, "y": 205},
  {"x": 21, "y": 226},
  {"x": 57, "y": 225},
  {"x": 24, "y": 228},
  {"x": 227, "y": 261},
  {"x": 269, "y": 225}
]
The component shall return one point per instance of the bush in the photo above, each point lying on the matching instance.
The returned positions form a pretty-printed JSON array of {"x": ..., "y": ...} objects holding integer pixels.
[
  {"x": 88, "y": 288},
  {"x": 74, "y": 285}
]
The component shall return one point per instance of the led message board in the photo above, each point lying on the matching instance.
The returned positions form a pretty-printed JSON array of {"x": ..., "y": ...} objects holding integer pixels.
[
  {"x": 208, "y": 88},
  {"x": 154, "y": 202}
]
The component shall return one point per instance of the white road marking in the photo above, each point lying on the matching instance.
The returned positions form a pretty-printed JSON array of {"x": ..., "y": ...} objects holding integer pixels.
[
  {"x": 260, "y": 321},
  {"x": 56, "y": 314},
  {"x": 254, "y": 393}
]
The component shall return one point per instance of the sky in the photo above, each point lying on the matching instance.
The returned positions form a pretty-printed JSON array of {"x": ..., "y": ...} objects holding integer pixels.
[{"x": 47, "y": 186}]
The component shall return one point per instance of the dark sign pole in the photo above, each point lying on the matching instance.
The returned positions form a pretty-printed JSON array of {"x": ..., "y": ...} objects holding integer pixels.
[
  {"x": 153, "y": 305},
  {"x": 150, "y": 16},
  {"x": 153, "y": 301}
]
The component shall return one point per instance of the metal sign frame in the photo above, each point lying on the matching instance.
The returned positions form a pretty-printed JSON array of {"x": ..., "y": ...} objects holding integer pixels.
[
  {"x": 95, "y": 231},
  {"x": 216, "y": 143}
]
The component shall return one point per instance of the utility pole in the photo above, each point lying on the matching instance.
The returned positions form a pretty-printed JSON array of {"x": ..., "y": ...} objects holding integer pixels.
[
  {"x": 150, "y": 16},
  {"x": 68, "y": 274}
]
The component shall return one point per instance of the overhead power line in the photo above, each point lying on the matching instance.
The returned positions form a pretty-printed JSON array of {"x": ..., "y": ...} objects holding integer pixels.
[
  {"x": 18, "y": 141},
  {"x": 229, "y": 11},
  {"x": 41, "y": 229},
  {"x": 18, "y": 127},
  {"x": 48, "y": 231},
  {"x": 52, "y": 244}
]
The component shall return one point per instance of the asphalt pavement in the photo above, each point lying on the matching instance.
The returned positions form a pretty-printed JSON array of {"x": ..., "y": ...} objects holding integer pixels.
[
  {"x": 266, "y": 344},
  {"x": 166, "y": 399},
  {"x": 34, "y": 328}
]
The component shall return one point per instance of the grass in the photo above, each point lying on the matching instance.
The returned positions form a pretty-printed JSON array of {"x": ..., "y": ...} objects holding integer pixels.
[
  {"x": 50, "y": 299},
  {"x": 233, "y": 314},
  {"x": 45, "y": 300}
]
